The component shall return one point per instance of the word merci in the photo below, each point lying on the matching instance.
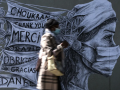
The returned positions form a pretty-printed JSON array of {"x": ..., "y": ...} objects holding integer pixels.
[
  {"x": 26, "y": 36},
  {"x": 14, "y": 80},
  {"x": 29, "y": 15}
]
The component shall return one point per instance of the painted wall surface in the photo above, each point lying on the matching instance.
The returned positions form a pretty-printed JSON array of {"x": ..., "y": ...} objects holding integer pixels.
[{"x": 100, "y": 68}]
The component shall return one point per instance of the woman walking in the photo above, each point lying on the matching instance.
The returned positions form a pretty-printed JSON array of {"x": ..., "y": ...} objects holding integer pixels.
[{"x": 50, "y": 46}]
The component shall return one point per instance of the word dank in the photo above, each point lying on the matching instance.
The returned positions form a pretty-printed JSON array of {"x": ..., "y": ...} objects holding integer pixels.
[
  {"x": 30, "y": 25},
  {"x": 16, "y": 81},
  {"x": 29, "y": 15},
  {"x": 10, "y": 60},
  {"x": 25, "y": 36}
]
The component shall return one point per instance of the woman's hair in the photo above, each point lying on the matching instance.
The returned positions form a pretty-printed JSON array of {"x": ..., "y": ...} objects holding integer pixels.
[{"x": 50, "y": 23}]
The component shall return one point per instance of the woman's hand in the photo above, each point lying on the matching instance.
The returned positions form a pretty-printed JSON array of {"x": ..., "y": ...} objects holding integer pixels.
[
  {"x": 64, "y": 44},
  {"x": 56, "y": 51}
]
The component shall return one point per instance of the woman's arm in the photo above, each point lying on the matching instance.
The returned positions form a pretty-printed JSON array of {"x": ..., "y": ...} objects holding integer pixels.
[{"x": 47, "y": 45}]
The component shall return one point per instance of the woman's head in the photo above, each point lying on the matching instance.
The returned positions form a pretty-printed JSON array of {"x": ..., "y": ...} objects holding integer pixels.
[{"x": 52, "y": 24}]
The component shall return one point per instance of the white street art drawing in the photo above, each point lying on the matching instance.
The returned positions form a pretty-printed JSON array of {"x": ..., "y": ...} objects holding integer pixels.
[{"x": 89, "y": 29}]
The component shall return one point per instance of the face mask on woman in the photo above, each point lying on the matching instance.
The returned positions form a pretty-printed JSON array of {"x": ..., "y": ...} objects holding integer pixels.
[{"x": 57, "y": 31}]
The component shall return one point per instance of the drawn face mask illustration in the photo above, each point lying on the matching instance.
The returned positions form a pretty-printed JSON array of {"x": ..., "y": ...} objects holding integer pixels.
[
  {"x": 92, "y": 48},
  {"x": 102, "y": 56},
  {"x": 107, "y": 53},
  {"x": 102, "y": 59},
  {"x": 99, "y": 53}
]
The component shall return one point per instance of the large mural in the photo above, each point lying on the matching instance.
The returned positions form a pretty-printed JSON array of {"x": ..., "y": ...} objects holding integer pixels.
[{"x": 89, "y": 29}]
